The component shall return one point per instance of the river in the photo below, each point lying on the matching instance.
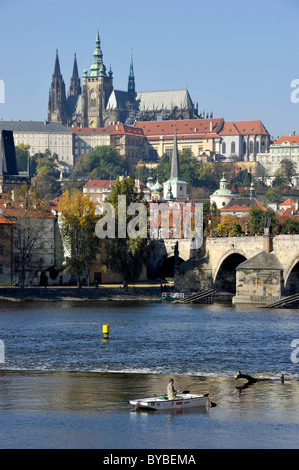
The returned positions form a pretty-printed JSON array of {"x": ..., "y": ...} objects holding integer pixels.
[{"x": 64, "y": 386}]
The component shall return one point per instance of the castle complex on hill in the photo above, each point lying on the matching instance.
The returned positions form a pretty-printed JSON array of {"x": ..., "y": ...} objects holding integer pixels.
[{"x": 97, "y": 104}]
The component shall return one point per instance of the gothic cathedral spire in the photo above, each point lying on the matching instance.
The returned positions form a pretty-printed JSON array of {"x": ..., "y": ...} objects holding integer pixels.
[
  {"x": 57, "y": 99},
  {"x": 131, "y": 82},
  {"x": 75, "y": 86}
]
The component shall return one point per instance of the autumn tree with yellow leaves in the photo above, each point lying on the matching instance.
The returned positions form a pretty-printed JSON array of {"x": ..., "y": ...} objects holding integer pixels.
[{"x": 77, "y": 226}]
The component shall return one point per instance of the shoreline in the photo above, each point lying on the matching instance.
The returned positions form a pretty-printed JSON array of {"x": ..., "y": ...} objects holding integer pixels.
[{"x": 141, "y": 293}]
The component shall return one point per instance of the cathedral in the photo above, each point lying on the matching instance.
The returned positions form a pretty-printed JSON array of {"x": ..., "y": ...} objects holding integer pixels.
[{"x": 97, "y": 104}]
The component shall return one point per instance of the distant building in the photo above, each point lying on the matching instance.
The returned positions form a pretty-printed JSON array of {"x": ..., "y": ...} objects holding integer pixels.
[
  {"x": 42, "y": 136},
  {"x": 175, "y": 189},
  {"x": 98, "y": 104},
  {"x": 243, "y": 140},
  {"x": 286, "y": 147},
  {"x": 222, "y": 196},
  {"x": 240, "y": 206}
]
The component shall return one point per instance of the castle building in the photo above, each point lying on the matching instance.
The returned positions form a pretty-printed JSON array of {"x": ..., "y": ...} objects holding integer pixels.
[{"x": 98, "y": 104}]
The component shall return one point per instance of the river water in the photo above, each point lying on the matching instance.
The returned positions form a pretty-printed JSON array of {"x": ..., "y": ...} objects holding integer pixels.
[{"x": 63, "y": 386}]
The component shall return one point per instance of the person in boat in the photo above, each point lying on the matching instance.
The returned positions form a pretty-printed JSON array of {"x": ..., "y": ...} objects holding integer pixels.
[{"x": 171, "y": 392}]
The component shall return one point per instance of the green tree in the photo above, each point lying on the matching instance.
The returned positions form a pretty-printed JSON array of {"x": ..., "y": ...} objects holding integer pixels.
[
  {"x": 125, "y": 256},
  {"x": 291, "y": 225},
  {"x": 77, "y": 225},
  {"x": 22, "y": 155},
  {"x": 273, "y": 195},
  {"x": 257, "y": 218},
  {"x": 101, "y": 163}
]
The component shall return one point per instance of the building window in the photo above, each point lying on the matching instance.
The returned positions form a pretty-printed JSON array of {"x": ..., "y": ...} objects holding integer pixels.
[
  {"x": 251, "y": 147},
  {"x": 1, "y": 268},
  {"x": 233, "y": 147},
  {"x": 223, "y": 147}
]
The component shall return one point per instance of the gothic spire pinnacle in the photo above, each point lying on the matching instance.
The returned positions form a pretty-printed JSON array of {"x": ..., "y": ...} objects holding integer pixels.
[
  {"x": 75, "y": 68},
  {"x": 175, "y": 167},
  {"x": 57, "y": 66},
  {"x": 131, "y": 82}
]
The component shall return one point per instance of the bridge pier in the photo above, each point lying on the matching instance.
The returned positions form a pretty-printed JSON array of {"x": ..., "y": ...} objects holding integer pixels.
[{"x": 265, "y": 267}]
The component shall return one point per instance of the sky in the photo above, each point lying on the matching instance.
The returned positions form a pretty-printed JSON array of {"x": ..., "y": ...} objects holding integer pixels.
[{"x": 237, "y": 58}]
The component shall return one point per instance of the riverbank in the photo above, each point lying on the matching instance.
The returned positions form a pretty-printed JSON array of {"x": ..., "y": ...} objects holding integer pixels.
[
  {"x": 104, "y": 293},
  {"x": 140, "y": 292}
]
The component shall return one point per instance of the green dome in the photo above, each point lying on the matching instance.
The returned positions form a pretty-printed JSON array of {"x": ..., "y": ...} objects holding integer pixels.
[{"x": 157, "y": 188}]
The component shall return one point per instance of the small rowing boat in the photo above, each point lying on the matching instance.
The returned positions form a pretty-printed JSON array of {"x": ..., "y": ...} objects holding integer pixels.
[{"x": 181, "y": 401}]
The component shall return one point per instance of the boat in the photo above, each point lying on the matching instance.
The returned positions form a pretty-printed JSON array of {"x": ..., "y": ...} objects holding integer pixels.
[
  {"x": 172, "y": 296},
  {"x": 181, "y": 401}
]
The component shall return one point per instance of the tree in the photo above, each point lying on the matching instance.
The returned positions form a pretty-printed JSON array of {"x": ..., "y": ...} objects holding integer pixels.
[
  {"x": 273, "y": 195},
  {"x": 125, "y": 256},
  {"x": 30, "y": 217},
  {"x": 101, "y": 163},
  {"x": 22, "y": 155},
  {"x": 77, "y": 224},
  {"x": 231, "y": 226},
  {"x": 257, "y": 218},
  {"x": 291, "y": 225},
  {"x": 288, "y": 169}
]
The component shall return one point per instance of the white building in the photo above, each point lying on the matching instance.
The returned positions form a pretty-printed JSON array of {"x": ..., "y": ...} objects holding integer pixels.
[{"x": 42, "y": 136}]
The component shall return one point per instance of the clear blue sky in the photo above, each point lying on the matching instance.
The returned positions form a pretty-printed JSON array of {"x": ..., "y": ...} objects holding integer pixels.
[{"x": 237, "y": 58}]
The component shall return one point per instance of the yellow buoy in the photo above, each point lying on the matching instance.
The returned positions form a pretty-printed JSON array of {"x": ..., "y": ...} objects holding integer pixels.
[{"x": 106, "y": 331}]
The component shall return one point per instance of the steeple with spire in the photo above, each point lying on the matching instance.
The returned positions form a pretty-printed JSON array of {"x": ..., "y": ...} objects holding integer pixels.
[
  {"x": 175, "y": 189},
  {"x": 131, "y": 81},
  {"x": 57, "y": 99},
  {"x": 98, "y": 68},
  {"x": 75, "y": 86}
]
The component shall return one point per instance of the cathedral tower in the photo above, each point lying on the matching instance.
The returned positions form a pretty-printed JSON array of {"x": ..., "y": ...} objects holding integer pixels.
[
  {"x": 57, "y": 100},
  {"x": 97, "y": 87},
  {"x": 75, "y": 86}
]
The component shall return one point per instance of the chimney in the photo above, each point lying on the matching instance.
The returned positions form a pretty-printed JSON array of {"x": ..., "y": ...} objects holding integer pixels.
[{"x": 211, "y": 126}]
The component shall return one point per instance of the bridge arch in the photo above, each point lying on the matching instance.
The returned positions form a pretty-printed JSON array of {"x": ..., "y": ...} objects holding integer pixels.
[
  {"x": 226, "y": 255},
  {"x": 167, "y": 266},
  {"x": 225, "y": 275},
  {"x": 291, "y": 281}
]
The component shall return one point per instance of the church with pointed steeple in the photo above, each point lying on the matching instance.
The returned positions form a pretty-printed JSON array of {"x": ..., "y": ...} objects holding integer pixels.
[
  {"x": 175, "y": 189},
  {"x": 98, "y": 104}
]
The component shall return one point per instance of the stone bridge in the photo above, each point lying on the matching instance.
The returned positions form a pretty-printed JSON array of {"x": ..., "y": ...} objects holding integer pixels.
[{"x": 220, "y": 260}]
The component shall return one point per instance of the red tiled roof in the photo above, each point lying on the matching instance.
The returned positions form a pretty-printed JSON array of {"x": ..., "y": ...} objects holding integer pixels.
[
  {"x": 292, "y": 139},
  {"x": 243, "y": 128},
  {"x": 131, "y": 130},
  {"x": 3, "y": 220},
  {"x": 93, "y": 130},
  {"x": 288, "y": 202},
  {"x": 184, "y": 127},
  {"x": 243, "y": 205},
  {"x": 99, "y": 184}
]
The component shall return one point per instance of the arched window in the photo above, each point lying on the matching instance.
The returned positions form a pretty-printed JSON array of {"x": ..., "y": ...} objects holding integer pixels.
[
  {"x": 233, "y": 148},
  {"x": 244, "y": 146},
  {"x": 251, "y": 147},
  {"x": 223, "y": 147},
  {"x": 257, "y": 147}
]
